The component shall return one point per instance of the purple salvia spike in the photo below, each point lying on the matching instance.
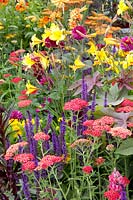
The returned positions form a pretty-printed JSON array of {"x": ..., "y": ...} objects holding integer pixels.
[
  {"x": 37, "y": 123},
  {"x": 49, "y": 120},
  {"x": 93, "y": 102},
  {"x": 56, "y": 145},
  {"x": 62, "y": 135},
  {"x": 32, "y": 146},
  {"x": 105, "y": 100},
  {"x": 25, "y": 186}
]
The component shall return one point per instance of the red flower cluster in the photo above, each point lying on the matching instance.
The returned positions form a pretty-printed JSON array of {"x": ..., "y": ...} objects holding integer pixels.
[
  {"x": 120, "y": 132},
  {"x": 75, "y": 104},
  {"x": 117, "y": 184},
  {"x": 87, "y": 169},
  {"x": 126, "y": 102},
  {"x": 16, "y": 80},
  {"x": 13, "y": 148},
  {"x": 41, "y": 136},
  {"x": 27, "y": 161},
  {"x": 24, "y": 103},
  {"x": 111, "y": 195},
  {"x": 96, "y": 127},
  {"x": 124, "y": 109},
  {"x": 30, "y": 166},
  {"x": 48, "y": 161},
  {"x": 23, "y": 157}
]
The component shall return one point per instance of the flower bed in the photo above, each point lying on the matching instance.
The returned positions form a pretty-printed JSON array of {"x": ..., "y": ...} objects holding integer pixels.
[{"x": 66, "y": 93}]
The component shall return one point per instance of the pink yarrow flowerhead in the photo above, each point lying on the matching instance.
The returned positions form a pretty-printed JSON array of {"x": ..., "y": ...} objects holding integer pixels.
[
  {"x": 28, "y": 166},
  {"x": 124, "y": 109},
  {"x": 13, "y": 148},
  {"x": 24, "y": 103},
  {"x": 23, "y": 157},
  {"x": 75, "y": 104},
  {"x": 48, "y": 161},
  {"x": 120, "y": 132},
  {"x": 79, "y": 32},
  {"x": 126, "y": 43},
  {"x": 41, "y": 136},
  {"x": 87, "y": 169},
  {"x": 126, "y": 102}
]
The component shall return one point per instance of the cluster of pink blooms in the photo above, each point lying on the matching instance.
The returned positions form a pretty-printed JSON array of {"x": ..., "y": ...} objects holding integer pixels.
[
  {"x": 87, "y": 169},
  {"x": 26, "y": 159},
  {"x": 124, "y": 109},
  {"x": 75, "y": 104},
  {"x": 120, "y": 132},
  {"x": 24, "y": 103},
  {"x": 41, "y": 136},
  {"x": 13, "y": 148},
  {"x": 125, "y": 106},
  {"x": 96, "y": 127},
  {"x": 48, "y": 161},
  {"x": 116, "y": 185},
  {"x": 23, "y": 157}
]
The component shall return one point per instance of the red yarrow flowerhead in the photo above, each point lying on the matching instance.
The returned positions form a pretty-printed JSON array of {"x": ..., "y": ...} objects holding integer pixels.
[
  {"x": 120, "y": 132},
  {"x": 13, "y": 148},
  {"x": 124, "y": 109},
  {"x": 23, "y": 157},
  {"x": 16, "y": 80},
  {"x": 87, "y": 169},
  {"x": 48, "y": 161},
  {"x": 111, "y": 195},
  {"x": 41, "y": 136},
  {"x": 75, "y": 104},
  {"x": 79, "y": 32},
  {"x": 24, "y": 103},
  {"x": 28, "y": 166},
  {"x": 126, "y": 102}
]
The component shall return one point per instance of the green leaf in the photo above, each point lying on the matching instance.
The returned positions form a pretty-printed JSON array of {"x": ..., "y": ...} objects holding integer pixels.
[{"x": 126, "y": 147}]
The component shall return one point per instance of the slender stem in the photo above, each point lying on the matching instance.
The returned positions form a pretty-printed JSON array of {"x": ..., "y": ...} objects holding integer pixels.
[
  {"x": 64, "y": 196},
  {"x": 99, "y": 180},
  {"x": 127, "y": 191}
]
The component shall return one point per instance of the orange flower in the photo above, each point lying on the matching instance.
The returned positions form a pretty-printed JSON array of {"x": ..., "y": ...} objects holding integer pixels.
[
  {"x": 4, "y": 2},
  {"x": 21, "y": 5},
  {"x": 43, "y": 21}
]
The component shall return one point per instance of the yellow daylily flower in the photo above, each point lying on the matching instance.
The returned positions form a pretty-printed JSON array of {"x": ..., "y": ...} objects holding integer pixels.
[
  {"x": 113, "y": 65},
  {"x": 93, "y": 48},
  {"x": 122, "y": 7},
  {"x": 77, "y": 64},
  {"x": 101, "y": 55},
  {"x": 17, "y": 126},
  {"x": 28, "y": 61},
  {"x": 35, "y": 40},
  {"x": 128, "y": 61},
  {"x": 30, "y": 89},
  {"x": 112, "y": 41},
  {"x": 54, "y": 33},
  {"x": 44, "y": 60}
]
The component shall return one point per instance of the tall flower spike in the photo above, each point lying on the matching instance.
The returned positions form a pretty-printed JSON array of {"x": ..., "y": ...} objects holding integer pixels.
[
  {"x": 25, "y": 186},
  {"x": 62, "y": 136}
]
